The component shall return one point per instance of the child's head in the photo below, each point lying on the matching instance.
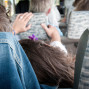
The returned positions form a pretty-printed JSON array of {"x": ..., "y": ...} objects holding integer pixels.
[
  {"x": 41, "y": 6},
  {"x": 83, "y": 5},
  {"x": 5, "y": 25},
  {"x": 50, "y": 64},
  {"x": 76, "y": 2}
]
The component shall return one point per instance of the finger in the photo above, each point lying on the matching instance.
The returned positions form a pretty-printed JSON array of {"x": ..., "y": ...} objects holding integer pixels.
[
  {"x": 27, "y": 16},
  {"x": 24, "y": 16},
  {"x": 45, "y": 27},
  {"x": 28, "y": 27},
  {"x": 18, "y": 16},
  {"x": 50, "y": 26}
]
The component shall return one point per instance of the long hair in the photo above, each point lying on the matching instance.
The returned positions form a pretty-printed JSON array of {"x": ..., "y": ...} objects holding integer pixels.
[
  {"x": 5, "y": 25},
  {"x": 51, "y": 65},
  {"x": 83, "y": 5}
]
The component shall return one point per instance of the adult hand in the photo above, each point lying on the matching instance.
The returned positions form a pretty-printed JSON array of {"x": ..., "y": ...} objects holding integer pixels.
[
  {"x": 21, "y": 21},
  {"x": 52, "y": 32}
]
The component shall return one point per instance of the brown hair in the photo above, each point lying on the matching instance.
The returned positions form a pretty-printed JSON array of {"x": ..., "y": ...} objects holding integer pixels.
[
  {"x": 51, "y": 65},
  {"x": 76, "y": 2},
  {"x": 83, "y": 5},
  {"x": 5, "y": 25}
]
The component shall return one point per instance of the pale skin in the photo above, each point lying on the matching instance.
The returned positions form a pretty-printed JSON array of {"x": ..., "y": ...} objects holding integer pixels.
[
  {"x": 52, "y": 32},
  {"x": 21, "y": 21}
]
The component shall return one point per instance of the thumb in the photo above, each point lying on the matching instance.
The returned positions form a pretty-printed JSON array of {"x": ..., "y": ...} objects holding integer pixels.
[{"x": 44, "y": 27}]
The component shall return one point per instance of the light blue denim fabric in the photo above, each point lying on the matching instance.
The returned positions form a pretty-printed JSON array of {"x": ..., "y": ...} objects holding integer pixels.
[
  {"x": 48, "y": 87},
  {"x": 16, "y": 71}
]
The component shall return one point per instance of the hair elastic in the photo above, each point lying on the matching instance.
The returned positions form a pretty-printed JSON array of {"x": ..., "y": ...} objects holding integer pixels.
[{"x": 33, "y": 37}]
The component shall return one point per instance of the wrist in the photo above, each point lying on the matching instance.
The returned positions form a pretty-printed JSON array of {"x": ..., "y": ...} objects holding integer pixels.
[
  {"x": 15, "y": 30},
  {"x": 56, "y": 37}
]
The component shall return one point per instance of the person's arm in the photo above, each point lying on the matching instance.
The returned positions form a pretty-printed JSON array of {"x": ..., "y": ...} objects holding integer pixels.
[
  {"x": 55, "y": 37},
  {"x": 52, "y": 32},
  {"x": 20, "y": 23}
]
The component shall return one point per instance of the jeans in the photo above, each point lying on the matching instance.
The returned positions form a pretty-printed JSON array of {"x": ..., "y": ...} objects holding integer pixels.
[{"x": 16, "y": 71}]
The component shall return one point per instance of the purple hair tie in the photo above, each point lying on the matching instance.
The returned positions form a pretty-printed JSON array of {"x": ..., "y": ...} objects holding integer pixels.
[{"x": 33, "y": 37}]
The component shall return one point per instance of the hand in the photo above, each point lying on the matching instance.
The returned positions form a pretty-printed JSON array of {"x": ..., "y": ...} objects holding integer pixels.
[
  {"x": 21, "y": 21},
  {"x": 63, "y": 20},
  {"x": 52, "y": 32}
]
